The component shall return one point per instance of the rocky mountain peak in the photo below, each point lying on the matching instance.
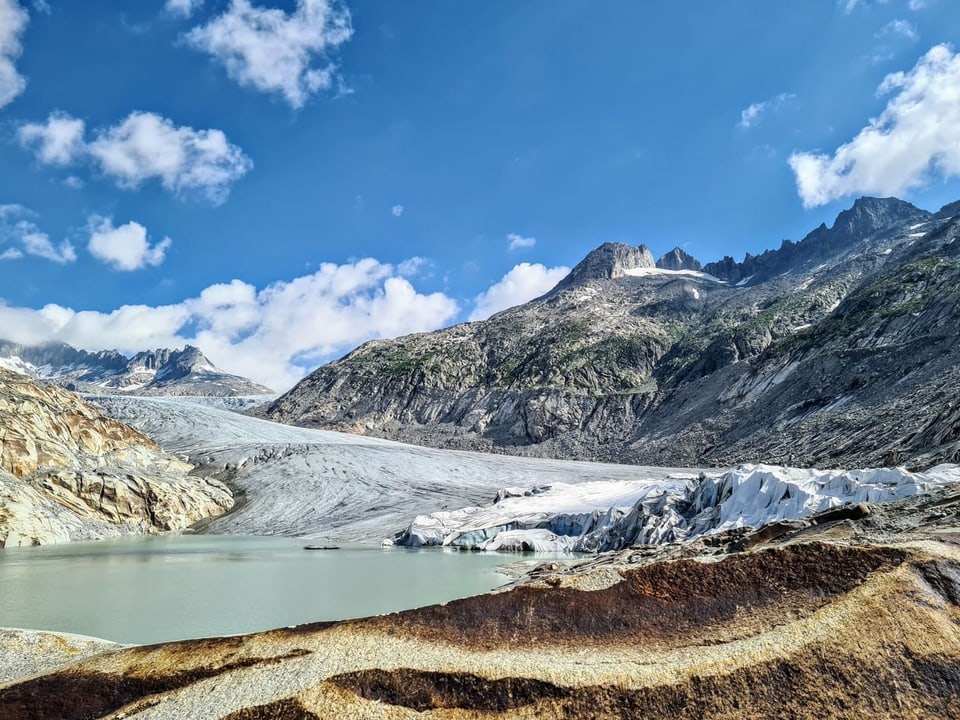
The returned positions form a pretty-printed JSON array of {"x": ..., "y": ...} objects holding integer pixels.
[
  {"x": 610, "y": 260},
  {"x": 870, "y": 215},
  {"x": 678, "y": 259}
]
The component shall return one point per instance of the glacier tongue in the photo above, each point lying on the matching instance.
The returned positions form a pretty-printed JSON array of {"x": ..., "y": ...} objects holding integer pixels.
[{"x": 609, "y": 515}]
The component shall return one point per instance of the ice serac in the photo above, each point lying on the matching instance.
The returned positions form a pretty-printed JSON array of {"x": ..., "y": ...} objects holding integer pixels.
[
  {"x": 839, "y": 350},
  {"x": 67, "y": 472},
  {"x": 152, "y": 372},
  {"x": 601, "y": 516}
]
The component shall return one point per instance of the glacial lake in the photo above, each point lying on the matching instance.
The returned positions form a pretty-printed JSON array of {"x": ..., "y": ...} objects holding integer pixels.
[{"x": 155, "y": 589}]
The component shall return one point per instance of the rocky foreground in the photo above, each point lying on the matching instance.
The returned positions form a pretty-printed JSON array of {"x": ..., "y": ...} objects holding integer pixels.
[
  {"x": 838, "y": 616},
  {"x": 67, "y": 472}
]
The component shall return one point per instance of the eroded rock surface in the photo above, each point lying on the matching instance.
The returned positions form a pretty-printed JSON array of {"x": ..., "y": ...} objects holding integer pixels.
[
  {"x": 68, "y": 472},
  {"x": 832, "y": 617}
]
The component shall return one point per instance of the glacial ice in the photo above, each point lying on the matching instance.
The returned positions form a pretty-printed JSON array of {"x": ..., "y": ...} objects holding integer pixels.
[{"x": 597, "y": 516}]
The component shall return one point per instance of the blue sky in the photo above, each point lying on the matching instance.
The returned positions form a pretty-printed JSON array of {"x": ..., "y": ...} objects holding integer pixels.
[{"x": 280, "y": 181}]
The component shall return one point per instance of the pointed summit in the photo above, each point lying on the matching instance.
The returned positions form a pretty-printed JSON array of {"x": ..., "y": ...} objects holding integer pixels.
[
  {"x": 870, "y": 215},
  {"x": 610, "y": 260},
  {"x": 679, "y": 259}
]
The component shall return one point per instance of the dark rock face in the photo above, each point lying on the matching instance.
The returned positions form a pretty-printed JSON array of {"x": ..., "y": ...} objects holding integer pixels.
[
  {"x": 838, "y": 350},
  {"x": 152, "y": 372},
  {"x": 678, "y": 259}
]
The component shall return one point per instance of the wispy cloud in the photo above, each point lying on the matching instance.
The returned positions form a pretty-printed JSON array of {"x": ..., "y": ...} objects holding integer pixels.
[
  {"x": 126, "y": 247},
  {"x": 144, "y": 146},
  {"x": 18, "y": 228},
  {"x": 183, "y": 8},
  {"x": 752, "y": 114},
  {"x": 915, "y": 138},
  {"x": 899, "y": 28},
  {"x": 523, "y": 283},
  {"x": 397, "y": 210},
  {"x": 277, "y": 52},
  {"x": 519, "y": 242},
  {"x": 13, "y": 21}
]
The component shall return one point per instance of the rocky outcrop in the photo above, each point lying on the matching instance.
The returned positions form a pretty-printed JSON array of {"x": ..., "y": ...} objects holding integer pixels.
[
  {"x": 152, "y": 372},
  {"x": 608, "y": 261},
  {"x": 832, "y": 618},
  {"x": 839, "y": 350},
  {"x": 678, "y": 259},
  {"x": 68, "y": 472}
]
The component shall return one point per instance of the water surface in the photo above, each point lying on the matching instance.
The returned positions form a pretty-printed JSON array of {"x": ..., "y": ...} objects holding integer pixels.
[{"x": 154, "y": 589}]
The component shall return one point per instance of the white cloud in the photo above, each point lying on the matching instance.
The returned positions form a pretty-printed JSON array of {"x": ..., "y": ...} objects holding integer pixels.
[
  {"x": 72, "y": 181},
  {"x": 124, "y": 247},
  {"x": 273, "y": 335},
  {"x": 13, "y": 21},
  {"x": 42, "y": 6},
  {"x": 183, "y": 8},
  {"x": 751, "y": 115},
  {"x": 59, "y": 141},
  {"x": 277, "y": 52},
  {"x": 903, "y": 28},
  {"x": 915, "y": 138},
  {"x": 40, "y": 245},
  {"x": 519, "y": 242},
  {"x": 17, "y": 229},
  {"x": 397, "y": 210},
  {"x": 524, "y": 282},
  {"x": 144, "y": 146},
  {"x": 916, "y": 5}
]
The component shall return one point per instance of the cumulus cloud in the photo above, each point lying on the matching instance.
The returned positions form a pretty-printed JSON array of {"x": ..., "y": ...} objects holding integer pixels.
[
  {"x": 58, "y": 141},
  {"x": 397, "y": 210},
  {"x": 125, "y": 247},
  {"x": 144, "y": 146},
  {"x": 519, "y": 242},
  {"x": 11, "y": 254},
  {"x": 524, "y": 282},
  {"x": 274, "y": 51},
  {"x": 751, "y": 115},
  {"x": 273, "y": 335},
  {"x": 183, "y": 8},
  {"x": 915, "y": 138},
  {"x": 13, "y": 21}
]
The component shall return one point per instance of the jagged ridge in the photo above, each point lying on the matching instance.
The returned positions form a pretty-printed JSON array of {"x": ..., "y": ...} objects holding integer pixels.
[
  {"x": 152, "y": 372},
  {"x": 625, "y": 361}
]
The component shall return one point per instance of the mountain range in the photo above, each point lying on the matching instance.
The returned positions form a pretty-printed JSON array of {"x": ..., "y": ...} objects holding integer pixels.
[
  {"x": 837, "y": 350},
  {"x": 153, "y": 372}
]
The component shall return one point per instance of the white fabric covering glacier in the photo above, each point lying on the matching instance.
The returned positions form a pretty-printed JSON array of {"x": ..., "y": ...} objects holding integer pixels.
[{"x": 608, "y": 515}]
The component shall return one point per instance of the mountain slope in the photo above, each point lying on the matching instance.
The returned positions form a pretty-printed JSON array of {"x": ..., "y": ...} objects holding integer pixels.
[
  {"x": 68, "y": 472},
  {"x": 840, "y": 349},
  {"x": 153, "y": 372}
]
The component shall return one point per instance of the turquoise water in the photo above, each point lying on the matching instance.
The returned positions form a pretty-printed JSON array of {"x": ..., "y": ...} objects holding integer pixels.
[{"x": 154, "y": 589}]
